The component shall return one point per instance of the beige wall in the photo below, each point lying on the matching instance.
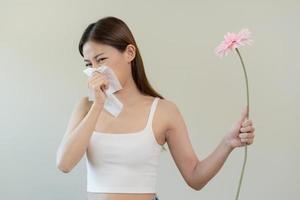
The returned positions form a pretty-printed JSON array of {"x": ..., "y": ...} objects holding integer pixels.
[{"x": 41, "y": 79}]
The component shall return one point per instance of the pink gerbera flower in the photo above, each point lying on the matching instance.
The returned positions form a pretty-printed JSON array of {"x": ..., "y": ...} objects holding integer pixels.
[{"x": 232, "y": 41}]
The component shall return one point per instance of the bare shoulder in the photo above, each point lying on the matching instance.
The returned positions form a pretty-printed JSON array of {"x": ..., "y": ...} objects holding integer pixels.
[
  {"x": 168, "y": 111},
  {"x": 168, "y": 105}
]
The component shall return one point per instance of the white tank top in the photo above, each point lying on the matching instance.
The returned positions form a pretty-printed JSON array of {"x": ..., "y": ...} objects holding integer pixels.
[{"x": 124, "y": 162}]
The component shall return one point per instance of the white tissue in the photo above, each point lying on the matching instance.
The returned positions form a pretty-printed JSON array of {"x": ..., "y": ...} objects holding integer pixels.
[{"x": 112, "y": 104}]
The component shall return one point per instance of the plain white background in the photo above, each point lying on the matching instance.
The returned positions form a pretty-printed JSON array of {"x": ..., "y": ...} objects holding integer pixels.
[{"x": 41, "y": 80}]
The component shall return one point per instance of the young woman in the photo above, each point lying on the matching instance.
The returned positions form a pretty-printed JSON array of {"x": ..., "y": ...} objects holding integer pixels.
[{"x": 123, "y": 152}]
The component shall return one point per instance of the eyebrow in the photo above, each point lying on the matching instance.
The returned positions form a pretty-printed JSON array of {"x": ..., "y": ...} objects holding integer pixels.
[{"x": 94, "y": 57}]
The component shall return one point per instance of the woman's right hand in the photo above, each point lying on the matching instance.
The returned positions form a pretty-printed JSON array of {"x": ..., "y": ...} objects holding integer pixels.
[{"x": 98, "y": 83}]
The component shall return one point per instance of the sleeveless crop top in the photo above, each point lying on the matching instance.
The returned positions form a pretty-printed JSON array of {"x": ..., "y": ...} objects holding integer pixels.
[{"x": 124, "y": 162}]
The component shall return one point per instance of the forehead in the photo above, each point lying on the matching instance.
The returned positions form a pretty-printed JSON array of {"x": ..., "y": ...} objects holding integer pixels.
[{"x": 90, "y": 49}]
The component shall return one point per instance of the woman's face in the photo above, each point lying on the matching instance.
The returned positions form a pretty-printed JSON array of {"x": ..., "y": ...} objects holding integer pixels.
[{"x": 97, "y": 54}]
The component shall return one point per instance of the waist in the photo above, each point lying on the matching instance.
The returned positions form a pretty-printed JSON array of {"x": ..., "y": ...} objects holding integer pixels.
[
  {"x": 120, "y": 196},
  {"x": 122, "y": 181}
]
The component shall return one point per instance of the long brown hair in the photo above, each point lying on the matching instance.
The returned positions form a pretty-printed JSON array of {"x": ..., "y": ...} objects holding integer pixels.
[{"x": 114, "y": 32}]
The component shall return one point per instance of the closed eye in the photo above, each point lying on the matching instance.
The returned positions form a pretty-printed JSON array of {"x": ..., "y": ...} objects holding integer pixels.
[{"x": 89, "y": 64}]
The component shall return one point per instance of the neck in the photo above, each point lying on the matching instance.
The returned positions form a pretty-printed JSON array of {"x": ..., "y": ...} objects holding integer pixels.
[{"x": 129, "y": 94}]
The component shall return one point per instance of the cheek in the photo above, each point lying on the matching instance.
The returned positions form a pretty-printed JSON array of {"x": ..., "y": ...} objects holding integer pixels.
[
  {"x": 115, "y": 63},
  {"x": 122, "y": 76},
  {"x": 117, "y": 66},
  {"x": 118, "y": 72},
  {"x": 120, "y": 68}
]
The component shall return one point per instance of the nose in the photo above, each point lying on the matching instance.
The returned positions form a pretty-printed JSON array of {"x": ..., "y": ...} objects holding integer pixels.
[{"x": 94, "y": 65}]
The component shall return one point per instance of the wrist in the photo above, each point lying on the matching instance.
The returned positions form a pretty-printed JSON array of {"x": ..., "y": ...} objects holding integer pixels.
[
  {"x": 227, "y": 145},
  {"x": 98, "y": 105}
]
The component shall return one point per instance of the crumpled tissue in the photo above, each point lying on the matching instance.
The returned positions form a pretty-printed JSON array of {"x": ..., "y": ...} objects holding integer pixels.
[{"x": 112, "y": 104}]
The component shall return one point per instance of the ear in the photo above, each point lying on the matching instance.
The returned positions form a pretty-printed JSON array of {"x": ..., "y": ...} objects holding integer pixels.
[{"x": 130, "y": 52}]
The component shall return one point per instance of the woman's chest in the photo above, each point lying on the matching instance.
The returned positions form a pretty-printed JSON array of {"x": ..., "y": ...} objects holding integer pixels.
[{"x": 132, "y": 123}]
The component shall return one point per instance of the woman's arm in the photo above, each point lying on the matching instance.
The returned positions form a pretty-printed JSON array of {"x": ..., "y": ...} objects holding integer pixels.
[
  {"x": 205, "y": 170},
  {"x": 76, "y": 139},
  {"x": 196, "y": 173},
  {"x": 240, "y": 134}
]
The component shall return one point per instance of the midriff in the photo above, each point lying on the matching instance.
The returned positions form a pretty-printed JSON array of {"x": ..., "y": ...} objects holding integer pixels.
[{"x": 120, "y": 196}]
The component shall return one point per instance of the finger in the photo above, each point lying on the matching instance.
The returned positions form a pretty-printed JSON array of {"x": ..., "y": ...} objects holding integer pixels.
[
  {"x": 251, "y": 135},
  {"x": 96, "y": 75},
  {"x": 246, "y": 135},
  {"x": 103, "y": 84},
  {"x": 244, "y": 114},
  {"x": 244, "y": 140},
  {"x": 247, "y": 122},
  {"x": 249, "y": 141},
  {"x": 98, "y": 79},
  {"x": 247, "y": 129},
  {"x": 243, "y": 135}
]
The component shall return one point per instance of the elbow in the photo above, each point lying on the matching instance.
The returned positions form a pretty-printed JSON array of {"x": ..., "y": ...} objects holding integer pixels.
[
  {"x": 196, "y": 187},
  {"x": 199, "y": 186},
  {"x": 62, "y": 166},
  {"x": 63, "y": 169},
  {"x": 195, "y": 184},
  {"x": 194, "y": 180}
]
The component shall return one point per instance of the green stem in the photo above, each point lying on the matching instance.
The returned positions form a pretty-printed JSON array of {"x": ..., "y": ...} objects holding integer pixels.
[{"x": 245, "y": 156}]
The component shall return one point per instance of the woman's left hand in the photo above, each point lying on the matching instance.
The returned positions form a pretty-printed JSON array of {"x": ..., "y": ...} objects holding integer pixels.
[{"x": 242, "y": 132}]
